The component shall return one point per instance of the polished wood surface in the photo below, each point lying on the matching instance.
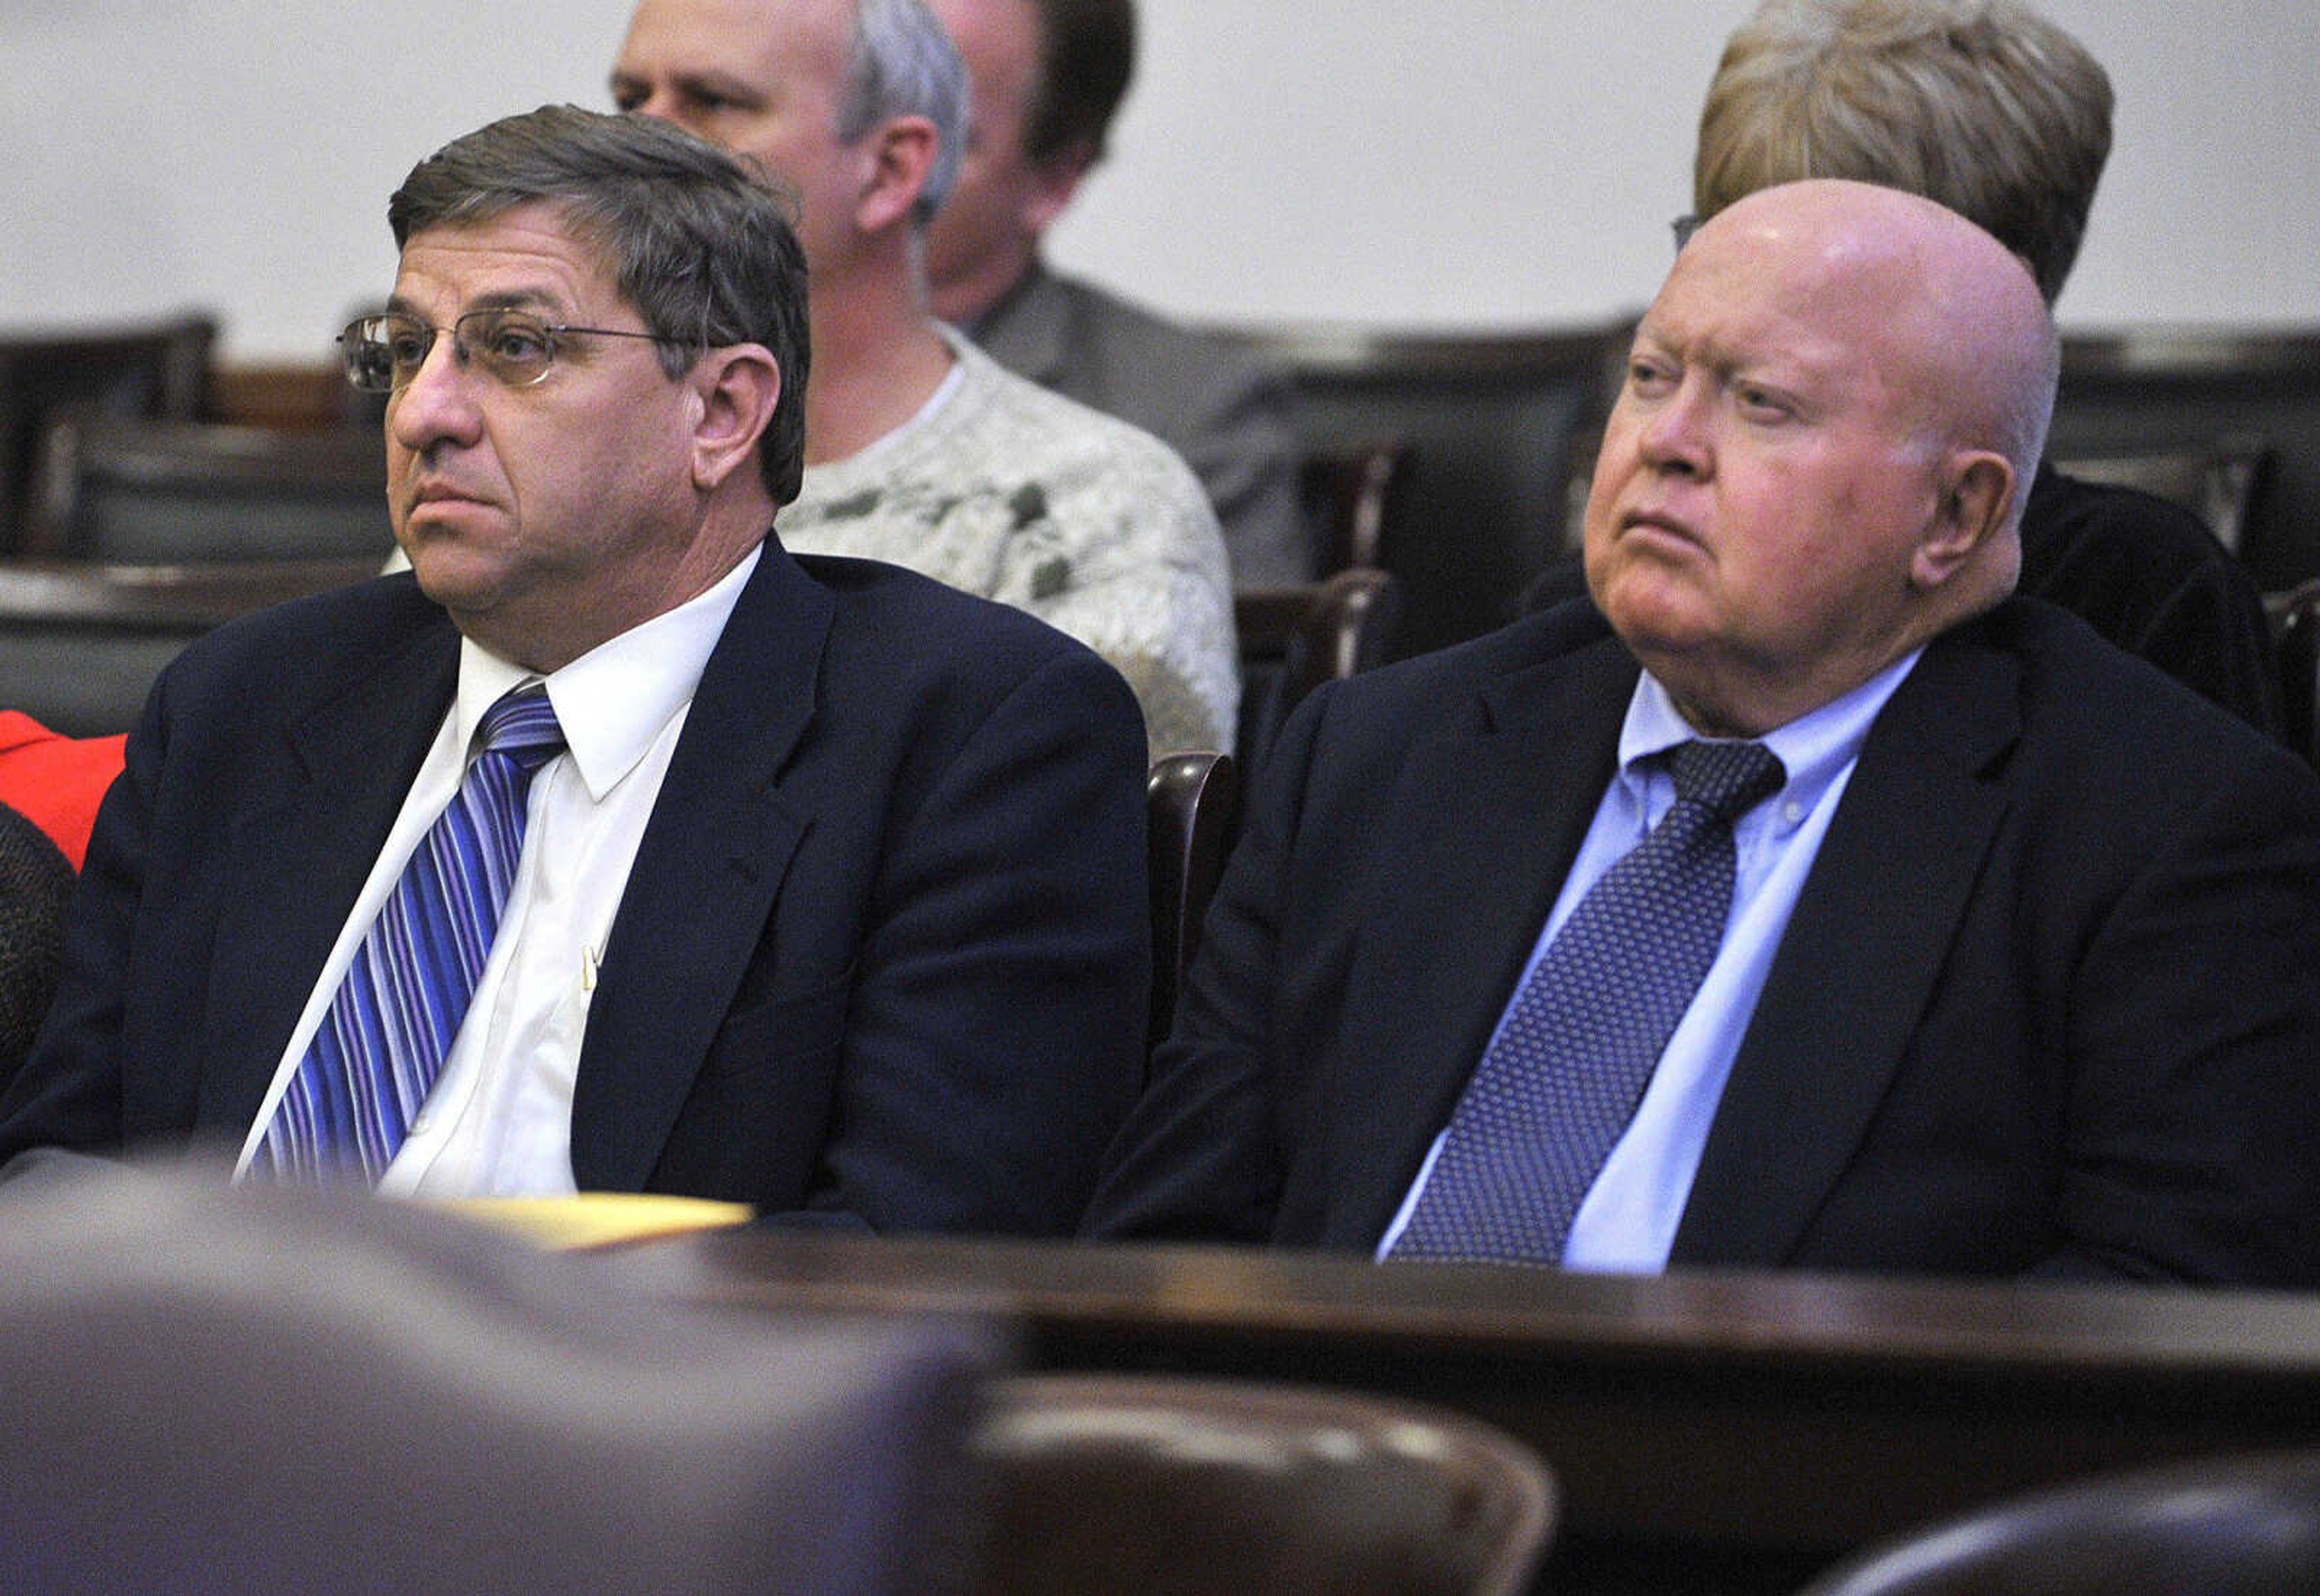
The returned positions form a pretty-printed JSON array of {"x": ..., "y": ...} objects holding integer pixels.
[
  {"x": 190, "y": 598},
  {"x": 305, "y": 396},
  {"x": 1710, "y": 1431}
]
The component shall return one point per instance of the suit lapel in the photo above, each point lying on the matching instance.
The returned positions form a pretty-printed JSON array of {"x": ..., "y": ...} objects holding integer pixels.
[
  {"x": 1481, "y": 830},
  {"x": 707, "y": 871},
  {"x": 299, "y": 855},
  {"x": 1864, "y": 948}
]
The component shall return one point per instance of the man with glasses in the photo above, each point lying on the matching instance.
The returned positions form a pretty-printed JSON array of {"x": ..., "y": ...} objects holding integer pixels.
[{"x": 614, "y": 848}]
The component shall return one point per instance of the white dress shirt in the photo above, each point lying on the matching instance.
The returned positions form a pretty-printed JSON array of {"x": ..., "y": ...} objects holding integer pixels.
[
  {"x": 499, "y": 1119},
  {"x": 1627, "y": 1221}
]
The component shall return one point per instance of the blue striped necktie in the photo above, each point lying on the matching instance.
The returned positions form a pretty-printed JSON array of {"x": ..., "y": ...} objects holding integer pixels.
[
  {"x": 378, "y": 1049},
  {"x": 1558, "y": 1085}
]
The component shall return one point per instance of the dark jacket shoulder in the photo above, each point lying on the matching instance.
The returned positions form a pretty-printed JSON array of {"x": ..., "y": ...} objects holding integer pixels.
[{"x": 2147, "y": 575}]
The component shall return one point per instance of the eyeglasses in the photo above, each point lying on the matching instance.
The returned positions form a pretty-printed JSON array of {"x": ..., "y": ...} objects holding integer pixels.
[{"x": 382, "y": 353}]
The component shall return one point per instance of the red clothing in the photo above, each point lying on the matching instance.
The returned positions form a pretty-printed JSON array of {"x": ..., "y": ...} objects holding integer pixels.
[{"x": 56, "y": 782}]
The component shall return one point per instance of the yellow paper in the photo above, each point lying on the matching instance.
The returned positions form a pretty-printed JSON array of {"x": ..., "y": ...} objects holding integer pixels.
[{"x": 598, "y": 1219}]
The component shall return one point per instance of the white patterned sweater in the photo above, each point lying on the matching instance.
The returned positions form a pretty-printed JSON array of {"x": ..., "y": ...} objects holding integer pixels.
[{"x": 1008, "y": 491}]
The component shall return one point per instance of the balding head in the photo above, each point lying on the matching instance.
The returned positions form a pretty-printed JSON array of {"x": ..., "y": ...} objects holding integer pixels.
[
  {"x": 1945, "y": 296},
  {"x": 1815, "y": 464}
]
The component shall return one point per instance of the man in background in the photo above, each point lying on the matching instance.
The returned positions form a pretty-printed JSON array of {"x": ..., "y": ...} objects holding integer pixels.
[
  {"x": 1049, "y": 76},
  {"x": 921, "y": 449}
]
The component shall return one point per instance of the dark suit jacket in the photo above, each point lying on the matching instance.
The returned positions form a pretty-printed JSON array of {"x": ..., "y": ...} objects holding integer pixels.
[
  {"x": 882, "y": 954},
  {"x": 2148, "y": 575},
  {"x": 2050, "y": 1000},
  {"x": 1229, "y": 414}
]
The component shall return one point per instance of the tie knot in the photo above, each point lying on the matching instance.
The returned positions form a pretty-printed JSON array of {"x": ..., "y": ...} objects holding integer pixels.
[
  {"x": 1725, "y": 778},
  {"x": 522, "y": 726}
]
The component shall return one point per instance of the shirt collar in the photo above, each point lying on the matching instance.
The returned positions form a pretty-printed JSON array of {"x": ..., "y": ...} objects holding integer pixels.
[
  {"x": 612, "y": 701},
  {"x": 1814, "y": 749}
]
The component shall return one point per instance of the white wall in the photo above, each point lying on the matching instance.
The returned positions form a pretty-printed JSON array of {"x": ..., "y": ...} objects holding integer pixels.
[{"x": 1449, "y": 163}]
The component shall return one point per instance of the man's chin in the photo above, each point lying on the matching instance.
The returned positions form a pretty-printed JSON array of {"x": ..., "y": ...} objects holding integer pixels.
[
  {"x": 1653, "y": 611},
  {"x": 452, "y": 577}
]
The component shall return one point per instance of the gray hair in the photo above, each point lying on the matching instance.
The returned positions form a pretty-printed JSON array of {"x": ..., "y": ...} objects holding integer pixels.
[
  {"x": 902, "y": 63},
  {"x": 703, "y": 248}
]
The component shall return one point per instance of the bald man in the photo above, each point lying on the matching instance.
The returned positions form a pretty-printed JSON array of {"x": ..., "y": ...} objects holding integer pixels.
[{"x": 1808, "y": 901}]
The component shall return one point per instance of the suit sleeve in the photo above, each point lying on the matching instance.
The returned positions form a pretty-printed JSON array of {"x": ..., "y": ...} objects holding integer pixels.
[
  {"x": 994, "y": 1031},
  {"x": 2192, "y": 1139},
  {"x": 1200, "y": 1157}
]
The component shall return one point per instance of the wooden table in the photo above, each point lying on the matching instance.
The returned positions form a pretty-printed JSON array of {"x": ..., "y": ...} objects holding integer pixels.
[{"x": 1712, "y": 1432}]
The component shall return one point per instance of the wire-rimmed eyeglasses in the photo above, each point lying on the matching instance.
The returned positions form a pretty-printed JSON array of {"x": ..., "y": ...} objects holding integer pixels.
[{"x": 384, "y": 352}]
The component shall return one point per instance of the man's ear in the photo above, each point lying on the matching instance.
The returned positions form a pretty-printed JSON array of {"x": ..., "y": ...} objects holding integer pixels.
[
  {"x": 902, "y": 160},
  {"x": 1977, "y": 489},
  {"x": 736, "y": 386}
]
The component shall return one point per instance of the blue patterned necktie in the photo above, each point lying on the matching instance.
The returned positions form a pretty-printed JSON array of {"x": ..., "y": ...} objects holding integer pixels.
[
  {"x": 1558, "y": 1085},
  {"x": 376, "y": 1053}
]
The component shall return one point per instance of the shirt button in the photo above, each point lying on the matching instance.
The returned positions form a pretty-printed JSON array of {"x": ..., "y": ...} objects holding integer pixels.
[{"x": 1792, "y": 812}]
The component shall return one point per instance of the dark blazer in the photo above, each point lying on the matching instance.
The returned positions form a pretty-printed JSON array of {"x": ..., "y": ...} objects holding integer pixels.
[
  {"x": 2148, "y": 575},
  {"x": 1229, "y": 415},
  {"x": 2050, "y": 1000},
  {"x": 883, "y": 953}
]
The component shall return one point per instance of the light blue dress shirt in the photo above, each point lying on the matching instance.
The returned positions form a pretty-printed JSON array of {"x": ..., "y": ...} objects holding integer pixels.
[{"x": 1627, "y": 1221}]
